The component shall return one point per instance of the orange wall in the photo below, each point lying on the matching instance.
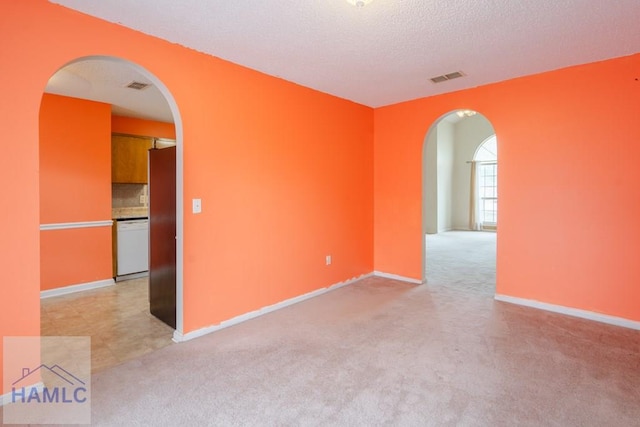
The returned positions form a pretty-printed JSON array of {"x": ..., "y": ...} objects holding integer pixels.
[
  {"x": 75, "y": 256},
  {"x": 141, "y": 127},
  {"x": 75, "y": 186},
  {"x": 568, "y": 146},
  {"x": 285, "y": 173},
  {"x": 75, "y": 160}
]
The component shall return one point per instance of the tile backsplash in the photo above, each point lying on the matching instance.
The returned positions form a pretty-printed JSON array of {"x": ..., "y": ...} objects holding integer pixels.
[{"x": 129, "y": 195}]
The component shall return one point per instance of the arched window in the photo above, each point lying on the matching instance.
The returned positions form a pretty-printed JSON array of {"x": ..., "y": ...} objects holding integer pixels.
[
  {"x": 485, "y": 191},
  {"x": 487, "y": 151}
]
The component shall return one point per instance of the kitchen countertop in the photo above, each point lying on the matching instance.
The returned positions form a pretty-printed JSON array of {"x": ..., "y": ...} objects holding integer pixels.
[{"x": 137, "y": 212}]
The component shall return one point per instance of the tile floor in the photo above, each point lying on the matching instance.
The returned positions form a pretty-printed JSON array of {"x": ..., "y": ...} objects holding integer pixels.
[{"x": 116, "y": 317}]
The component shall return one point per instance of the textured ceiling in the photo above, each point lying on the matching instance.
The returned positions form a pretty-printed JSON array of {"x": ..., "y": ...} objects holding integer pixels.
[{"x": 386, "y": 52}]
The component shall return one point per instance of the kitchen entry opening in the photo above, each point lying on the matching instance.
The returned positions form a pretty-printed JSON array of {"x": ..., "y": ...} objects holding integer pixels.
[{"x": 76, "y": 230}]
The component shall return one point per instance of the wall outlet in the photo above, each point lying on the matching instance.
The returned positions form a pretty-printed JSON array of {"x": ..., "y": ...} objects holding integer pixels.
[
  {"x": 328, "y": 259},
  {"x": 197, "y": 206},
  {"x": 143, "y": 199}
]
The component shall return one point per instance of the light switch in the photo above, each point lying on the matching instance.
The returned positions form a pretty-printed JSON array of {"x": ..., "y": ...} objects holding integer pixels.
[{"x": 197, "y": 206}]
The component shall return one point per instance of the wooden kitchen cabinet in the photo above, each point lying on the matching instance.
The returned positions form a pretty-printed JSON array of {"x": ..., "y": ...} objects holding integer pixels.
[{"x": 129, "y": 159}]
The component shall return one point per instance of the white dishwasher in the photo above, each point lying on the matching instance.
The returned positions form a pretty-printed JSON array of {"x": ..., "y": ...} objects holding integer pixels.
[{"x": 132, "y": 246}]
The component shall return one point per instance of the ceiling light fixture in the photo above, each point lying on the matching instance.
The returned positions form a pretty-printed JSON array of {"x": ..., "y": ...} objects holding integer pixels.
[
  {"x": 466, "y": 113},
  {"x": 359, "y": 3}
]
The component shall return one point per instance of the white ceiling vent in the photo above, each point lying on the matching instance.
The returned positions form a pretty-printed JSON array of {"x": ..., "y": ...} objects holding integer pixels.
[
  {"x": 445, "y": 77},
  {"x": 137, "y": 85}
]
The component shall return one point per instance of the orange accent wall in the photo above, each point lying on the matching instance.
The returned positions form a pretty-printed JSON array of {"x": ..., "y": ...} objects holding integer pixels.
[
  {"x": 142, "y": 127},
  {"x": 285, "y": 173},
  {"x": 568, "y": 184},
  {"x": 75, "y": 186}
]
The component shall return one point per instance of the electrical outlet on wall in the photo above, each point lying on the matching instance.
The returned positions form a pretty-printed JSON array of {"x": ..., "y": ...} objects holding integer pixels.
[
  {"x": 143, "y": 199},
  {"x": 196, "y": 206},
  {"x": 328, "y": 260}
]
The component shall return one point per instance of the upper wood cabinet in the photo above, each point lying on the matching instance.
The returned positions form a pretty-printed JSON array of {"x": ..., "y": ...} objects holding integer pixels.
[{"x": 129, "y": 159}]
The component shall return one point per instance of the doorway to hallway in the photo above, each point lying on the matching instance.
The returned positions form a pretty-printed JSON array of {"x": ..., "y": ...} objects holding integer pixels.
[{"x": 459, "y": 192}]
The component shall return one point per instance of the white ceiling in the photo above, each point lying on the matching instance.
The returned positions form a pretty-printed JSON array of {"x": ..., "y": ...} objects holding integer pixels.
[
  {"x": 386, "y": 52},
  {"x": 105, "y": 80}
]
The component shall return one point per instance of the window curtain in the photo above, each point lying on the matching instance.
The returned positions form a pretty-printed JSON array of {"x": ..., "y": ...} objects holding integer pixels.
[{"x": 475, "y": 211}]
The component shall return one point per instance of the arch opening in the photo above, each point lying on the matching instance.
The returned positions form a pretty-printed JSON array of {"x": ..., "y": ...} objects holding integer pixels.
[
  {"x": 451, "y": 249},
  {"x": 97, "y": 82}
]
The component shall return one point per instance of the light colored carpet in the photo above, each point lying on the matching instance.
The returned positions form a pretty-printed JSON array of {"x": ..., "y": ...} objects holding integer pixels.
[
  {"x": 463, "y": 260},
  {"x": 383, "y": 352}
]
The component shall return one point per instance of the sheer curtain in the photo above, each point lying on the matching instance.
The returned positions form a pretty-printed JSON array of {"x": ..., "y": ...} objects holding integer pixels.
[{"x": 475, "y": 211}]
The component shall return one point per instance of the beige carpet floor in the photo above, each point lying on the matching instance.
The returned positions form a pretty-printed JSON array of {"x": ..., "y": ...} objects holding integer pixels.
[
  {"x": 383, "y": 352},
  {"x": 462, "y": 260}
]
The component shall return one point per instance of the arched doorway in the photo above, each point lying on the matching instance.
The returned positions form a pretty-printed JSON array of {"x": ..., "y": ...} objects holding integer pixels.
[
  {"x": 448, "y": 153},
  {"x": 83, "y": 170}
]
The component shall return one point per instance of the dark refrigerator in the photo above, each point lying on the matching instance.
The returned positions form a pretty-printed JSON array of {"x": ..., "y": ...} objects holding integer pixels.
[{"x": 162, "y": 234}]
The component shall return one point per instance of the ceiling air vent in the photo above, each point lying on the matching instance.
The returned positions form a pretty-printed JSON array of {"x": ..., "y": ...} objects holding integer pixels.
[
  {"x": 137, "y": 85},
  {"x": 445, "y": 77}
]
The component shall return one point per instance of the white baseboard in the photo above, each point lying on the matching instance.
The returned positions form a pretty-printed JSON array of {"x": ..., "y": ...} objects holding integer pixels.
[
  {"x": 397, "y": 277},
  {"x": 76, "y": 288},
  {"x": 179, "y": 337},
  {"x": 575, "y": 312},
  {"x": 132, "y": 276},
  {"x": 5, "y": 399}
]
